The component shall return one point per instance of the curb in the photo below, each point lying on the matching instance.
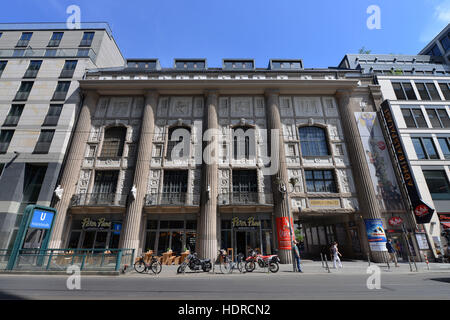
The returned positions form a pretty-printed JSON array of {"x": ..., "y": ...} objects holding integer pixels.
[{"x": 60, "y": 273}]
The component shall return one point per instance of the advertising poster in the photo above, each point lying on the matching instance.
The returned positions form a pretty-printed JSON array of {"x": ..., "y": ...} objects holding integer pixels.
[
  {"x": 375, "y": 234},
  {"x": 422, "y": 241},
  {"x": 379, "y": 162},
  {"x": 284, "y": 236}
]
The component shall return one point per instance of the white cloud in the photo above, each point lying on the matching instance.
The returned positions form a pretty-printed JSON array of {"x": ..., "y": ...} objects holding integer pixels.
[{"x": 441, "y": 17}]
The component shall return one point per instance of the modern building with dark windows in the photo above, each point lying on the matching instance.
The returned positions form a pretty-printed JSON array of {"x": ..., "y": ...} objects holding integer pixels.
[
  {"x": 138, "y": 160},
  {"x": 417, "y": 89},
  {"x": 40, "y": 65}
]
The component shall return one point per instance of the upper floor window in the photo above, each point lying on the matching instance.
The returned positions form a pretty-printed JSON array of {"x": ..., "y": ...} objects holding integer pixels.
[
  {"x": 178, "y": 144},
  {"x": 2, "y": 66},
  {"x": 434, "y": 51},
  {"x": 50, "y": 53},
  {"x": 445, "y": 147},
  {"x": 244, "y": 143},
  {"x": 44, "y": 142},
  {"x": 313, "y": 141},
  {"x": 438, "y": 185},
  {"x": 83, "y": 53},
  {"x": 14, "y": 115},
  {"x": 445, "y": 90},
  {"x": 113, "y": 142},
  {"x": 53, "y": 114},
  {"x": 56, "y": 39},
  {"x": 238, "y": 65},
  {"x": 87, "y": 39},
  {"x": 414, "y": 118},
  {"x": 33, "y": 69},
  {"x": 428, "y": 91},
  {"x": 438, "y": 118},
  {"x": 61, "y": 90},
  {"x": 245, "y": 181},
  {"x": 69, "y": 69},
  {"x": 320, "y": 181},
  {"x": 190, "y": 65},
  {"x": 445, "y": 41},
  {"x": 175, "y": 182},
  {"x": 24, "y": 39},
  {"x": 105, "y": 182},
  {"x": 5, "y": 139},
  {"x": 425, "y": 148},
  {"x": 24, "y": 91},
  {"x": 404, "y": 91}
]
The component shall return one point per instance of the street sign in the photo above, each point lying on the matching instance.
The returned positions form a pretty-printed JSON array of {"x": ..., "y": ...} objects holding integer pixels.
[{"x": 41, "y": 219}]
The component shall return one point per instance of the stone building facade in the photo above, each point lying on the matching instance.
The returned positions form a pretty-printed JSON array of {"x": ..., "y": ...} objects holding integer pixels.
[{"x": 123, "y": 186}]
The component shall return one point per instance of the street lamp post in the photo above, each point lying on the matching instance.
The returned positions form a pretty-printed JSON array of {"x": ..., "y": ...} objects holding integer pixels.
[{"x": 284, "y": 191}]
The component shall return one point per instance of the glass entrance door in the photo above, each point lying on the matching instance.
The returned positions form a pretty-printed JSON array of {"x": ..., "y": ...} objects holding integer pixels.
[{"x": 244, "y": 241}]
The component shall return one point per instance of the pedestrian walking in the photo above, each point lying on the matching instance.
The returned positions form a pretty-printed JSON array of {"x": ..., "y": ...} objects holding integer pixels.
[
  {"x": 391, "y": 252},
  {"x": 297, "y": 256},
  {"x": 335, "y": 252}
]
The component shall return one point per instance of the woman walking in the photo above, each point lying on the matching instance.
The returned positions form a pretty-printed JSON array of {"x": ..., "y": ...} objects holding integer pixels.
[{"x": 336, "y": 254}]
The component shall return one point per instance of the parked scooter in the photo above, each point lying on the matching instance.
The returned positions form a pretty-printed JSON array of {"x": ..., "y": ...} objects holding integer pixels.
[
  {"x": 254, "y": 258},
  {"x": 195, "y": 264}
]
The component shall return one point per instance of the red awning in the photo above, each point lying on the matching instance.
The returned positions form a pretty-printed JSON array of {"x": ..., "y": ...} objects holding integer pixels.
[{"x": 446, "y": 225}]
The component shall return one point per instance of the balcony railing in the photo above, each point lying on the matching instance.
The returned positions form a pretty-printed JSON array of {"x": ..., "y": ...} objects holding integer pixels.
[
  {"x": 172, "y": 199},
  {"x": 99, "y": 199},
  {"x": 49, "y": 53},
  {"x": 245, "y": 198}
]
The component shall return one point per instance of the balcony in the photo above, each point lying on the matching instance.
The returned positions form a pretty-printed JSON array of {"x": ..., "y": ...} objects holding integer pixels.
[
  {"x": 172, "y": 199},
  {"x": 99, "y": 200},
  {"x": 48, "y": 53},
  {"x": 245, "y": 199}
]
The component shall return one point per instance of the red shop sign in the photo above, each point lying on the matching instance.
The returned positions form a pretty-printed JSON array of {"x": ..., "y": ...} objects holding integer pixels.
[
  {"x": 395, "y": 221},
  {"x": 284, "y": 236}
]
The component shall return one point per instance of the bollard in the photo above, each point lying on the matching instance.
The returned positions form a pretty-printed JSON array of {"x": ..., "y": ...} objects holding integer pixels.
[
  {"x": 410, "y": 266},
  {"x": 426, "y": 261},
  {"x": 415, "y": 265},
  {"x": 321, "y": 258},
  {"x": 368, "y": 258},
  {"x": 326, "y": 263}
]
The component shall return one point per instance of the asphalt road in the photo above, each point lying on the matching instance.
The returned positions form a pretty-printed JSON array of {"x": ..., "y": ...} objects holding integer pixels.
[{"x": 257, "y": 286}]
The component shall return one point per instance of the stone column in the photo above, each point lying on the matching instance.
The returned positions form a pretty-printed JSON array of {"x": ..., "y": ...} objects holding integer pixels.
[
  {"x": 130, "y": 238},
  {"x": 207, "y": 229},
  {"x": 281, "y": 208},
  {"x": 366, "y": 193},
  {"x": 71, "y": 171}
]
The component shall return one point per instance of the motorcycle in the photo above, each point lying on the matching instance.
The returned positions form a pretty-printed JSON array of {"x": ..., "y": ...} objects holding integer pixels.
[
  {"x": 195, "y": 264},
  {"x": 270, "y": 261}
]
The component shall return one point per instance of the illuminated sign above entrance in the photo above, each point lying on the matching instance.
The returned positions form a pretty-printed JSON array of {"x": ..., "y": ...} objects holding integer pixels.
[{"x": 249, "y": 223}]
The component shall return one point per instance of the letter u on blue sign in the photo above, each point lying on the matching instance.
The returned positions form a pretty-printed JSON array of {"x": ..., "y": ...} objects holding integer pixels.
[{"x": 41, "y": 219}]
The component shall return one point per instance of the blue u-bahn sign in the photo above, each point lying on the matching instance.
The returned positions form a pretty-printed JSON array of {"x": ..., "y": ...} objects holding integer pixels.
[{"x": 42, "y": 219}]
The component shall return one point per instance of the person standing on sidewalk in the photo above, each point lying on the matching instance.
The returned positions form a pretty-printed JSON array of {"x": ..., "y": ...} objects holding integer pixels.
[
  {"x": 336, "y": 254},
  {"x": 297, "y": 256},
  {"x": 391, "y": 251}
]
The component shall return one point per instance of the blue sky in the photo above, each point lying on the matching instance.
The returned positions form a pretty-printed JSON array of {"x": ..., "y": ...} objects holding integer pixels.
[{"x": 320, "y": 32}]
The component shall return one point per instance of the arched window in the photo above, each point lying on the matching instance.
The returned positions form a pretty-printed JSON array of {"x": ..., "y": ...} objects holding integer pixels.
[
  {"x": 113, "y": 142},
  {"x": 244, "y": 143},
  {"x": 313, "y": 141},
  {"x": 176, "y": 136}
]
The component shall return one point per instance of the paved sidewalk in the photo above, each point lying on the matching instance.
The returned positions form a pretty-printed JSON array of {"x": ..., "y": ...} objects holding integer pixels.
[{"x": 310, "y": 267}]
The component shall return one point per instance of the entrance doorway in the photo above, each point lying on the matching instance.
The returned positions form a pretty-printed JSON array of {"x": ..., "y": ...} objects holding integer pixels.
[{"x": 246, "y": 241}]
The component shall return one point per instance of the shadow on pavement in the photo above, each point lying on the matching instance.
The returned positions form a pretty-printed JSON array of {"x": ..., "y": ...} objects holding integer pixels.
[
  {"x": 446, "y": 280},
  {"x": 7, "y": 296}
]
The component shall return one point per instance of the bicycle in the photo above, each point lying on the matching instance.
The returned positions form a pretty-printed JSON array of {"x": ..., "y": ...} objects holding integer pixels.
[
  {"x": 227, "y": 265},
  {"x": 154, "y": 265}
]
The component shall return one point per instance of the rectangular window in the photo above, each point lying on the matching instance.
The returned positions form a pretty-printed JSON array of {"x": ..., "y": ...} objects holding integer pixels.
[
  {"x": 433, "y": 91},
  {"x": 438, "y": 118},
  {"x": 174, "y": 187},
  {"x": 106, "y": 182},
  {"x": 430, "y": 148},
  {"x": 445, "y": 147},
  {"x": 61, "y": 90},
  {"x": 2, "y": 66},
  {"x": 14, "y": 115},
  {"x": 420, "y": 150},
  {"x": 414, "y": 118},
  {"x": 50, "y": 53},
  {"x": 445, "y": 42},
  {"x": 320, "y": 181},
  {"x": 445, "y": 90},
  {"x": 404, "y": 91},
  {"x": 53, "y": 114},
  {"x": 87, "y": 39},
  {"x": 44, "y": 142},
  {"x": 423, "y": 91},
  {"x": 24, "y": 91},
  {"x": 33, "y": 69},
  {"x": 24, "y": 39},
  {"x": 437, "y": 184},
  {"x": 56, "y": 39},
  {"x": 69, "y": 69},
  {"x": 5, "y": 139},
  {"x": 83, "y": 53}
]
